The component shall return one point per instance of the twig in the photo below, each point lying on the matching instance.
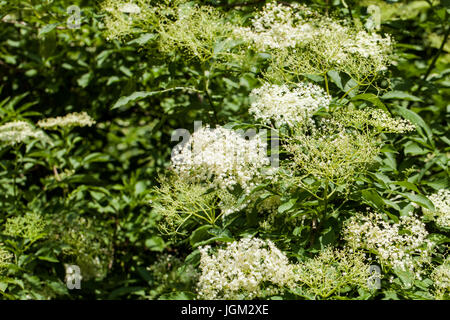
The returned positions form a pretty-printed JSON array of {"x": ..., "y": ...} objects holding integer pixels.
[{"x": 436, "y": 57}]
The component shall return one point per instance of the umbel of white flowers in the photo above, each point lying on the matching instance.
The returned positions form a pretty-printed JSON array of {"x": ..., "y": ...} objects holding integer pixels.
[
  {"x": 16, "y": 132},
  {"x": 255, "y": 268},
  {"x": 221, "y": 156},
  {"x": 239, "y": 270},
  {"x": 441, "y": 202},
  {"x": 312, "y": 43},
  {"x": 403, "y": 245},
  {"x": 74, "y": 119},
  {"x": 441, "y": 278},
  {"x": 5, "y": 258},
  {"x": 283, "y": 105}
]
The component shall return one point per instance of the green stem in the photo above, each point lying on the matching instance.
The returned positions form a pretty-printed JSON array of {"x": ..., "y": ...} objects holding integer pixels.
[
  {"x": 208, "y": 95},
  {"x": 16, "y": 168},
  {"x": 326, "y": 83},
  {"x": 325, "y": 199}
]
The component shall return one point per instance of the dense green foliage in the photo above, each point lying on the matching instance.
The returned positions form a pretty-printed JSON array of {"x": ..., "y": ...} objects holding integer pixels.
[{"x": 104, "y": 196}]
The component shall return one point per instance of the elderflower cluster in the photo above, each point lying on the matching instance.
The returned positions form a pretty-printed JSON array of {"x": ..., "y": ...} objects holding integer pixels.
[
  {"x": 5, "y": 258},
  {"x": 196, "y": 30},
  {"x": 85, "y": 241},
  {"x": 332, "y": 152},
  {"x": 403, "y": 245},
  {"x": 441, "y": 202},
  {"x": 309, "y": 43},
  {"x": 333, "y": 270},
  {"x": 246, "y": 269},
  {"x": 31, "y": 226},
  {"x": 123, "y": 16},
  {"x": 367, "y": 45},
  {"x": 71, "y": 120},
  {"x": 441, "y": 279},
  {"x": 15, "y": 132},
  {"x": 130, "y": 8},
  {"x": 254, "y": 268},
  {"x": 275, "y": 27},
  {"x": 285, "y": 106},
  {"x": 375, "y": 118},
  {"x": 221, "y": 156}
]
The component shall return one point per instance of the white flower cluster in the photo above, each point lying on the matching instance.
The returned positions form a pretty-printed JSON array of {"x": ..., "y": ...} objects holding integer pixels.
[
  {"x": 378, "y": 119},
  {"x": 441, "y": 279},
  {"x": 274, "y": 28},
  {"x": 333, "y": 271},
  {"x": 254, "y": 268},
  {"x": 130, "y": 8},
  {"x": 441, "y": 201},
  {"x": 71, "y": 120},
  {"x": 246, "y": 269},
  {"x": 381, "y": 119},
  {"x": 122, "y": 16},
  {"x": 332, "y": 152},
  {"x": 285, "y": 106},
  {"x": 401, "y": 245},
  {"x": 279, "y": 26},
  {"x": 364, "y": 44},
  {"x": 221, "y": 156},
  {"x": 15, "y": 132},
  {"x": 5, "y": 258}
]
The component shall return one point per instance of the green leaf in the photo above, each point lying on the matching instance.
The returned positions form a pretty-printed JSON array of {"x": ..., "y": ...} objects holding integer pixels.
[
  {"x": 370, "y": 97},
  {"x": 143, "y": 39},
  {"x": 49, "y": 259},
  {"x": 200, "y": 234},
  {"x": 84, "y": 80},
  {"x": 336, "y": 78},
  {"x": 139, "y": 95},
  {"x": 47, "y": 28},
  {"x": 408, "y": 185},
  {"x": 155, "y": 243},
  {"x": 400, "y": 95},
  {"x": 438, "y": 238},
  {"x": 406, "y": 277},
  {"x": 95, "y": 157},
  {"x": 416, "y": 120},
  {"x": 287, "y": 205},
  {"x": 419, "y": 199},
  {"x": 373, "y": 197},
  {"x": 134, "y": 97}
]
